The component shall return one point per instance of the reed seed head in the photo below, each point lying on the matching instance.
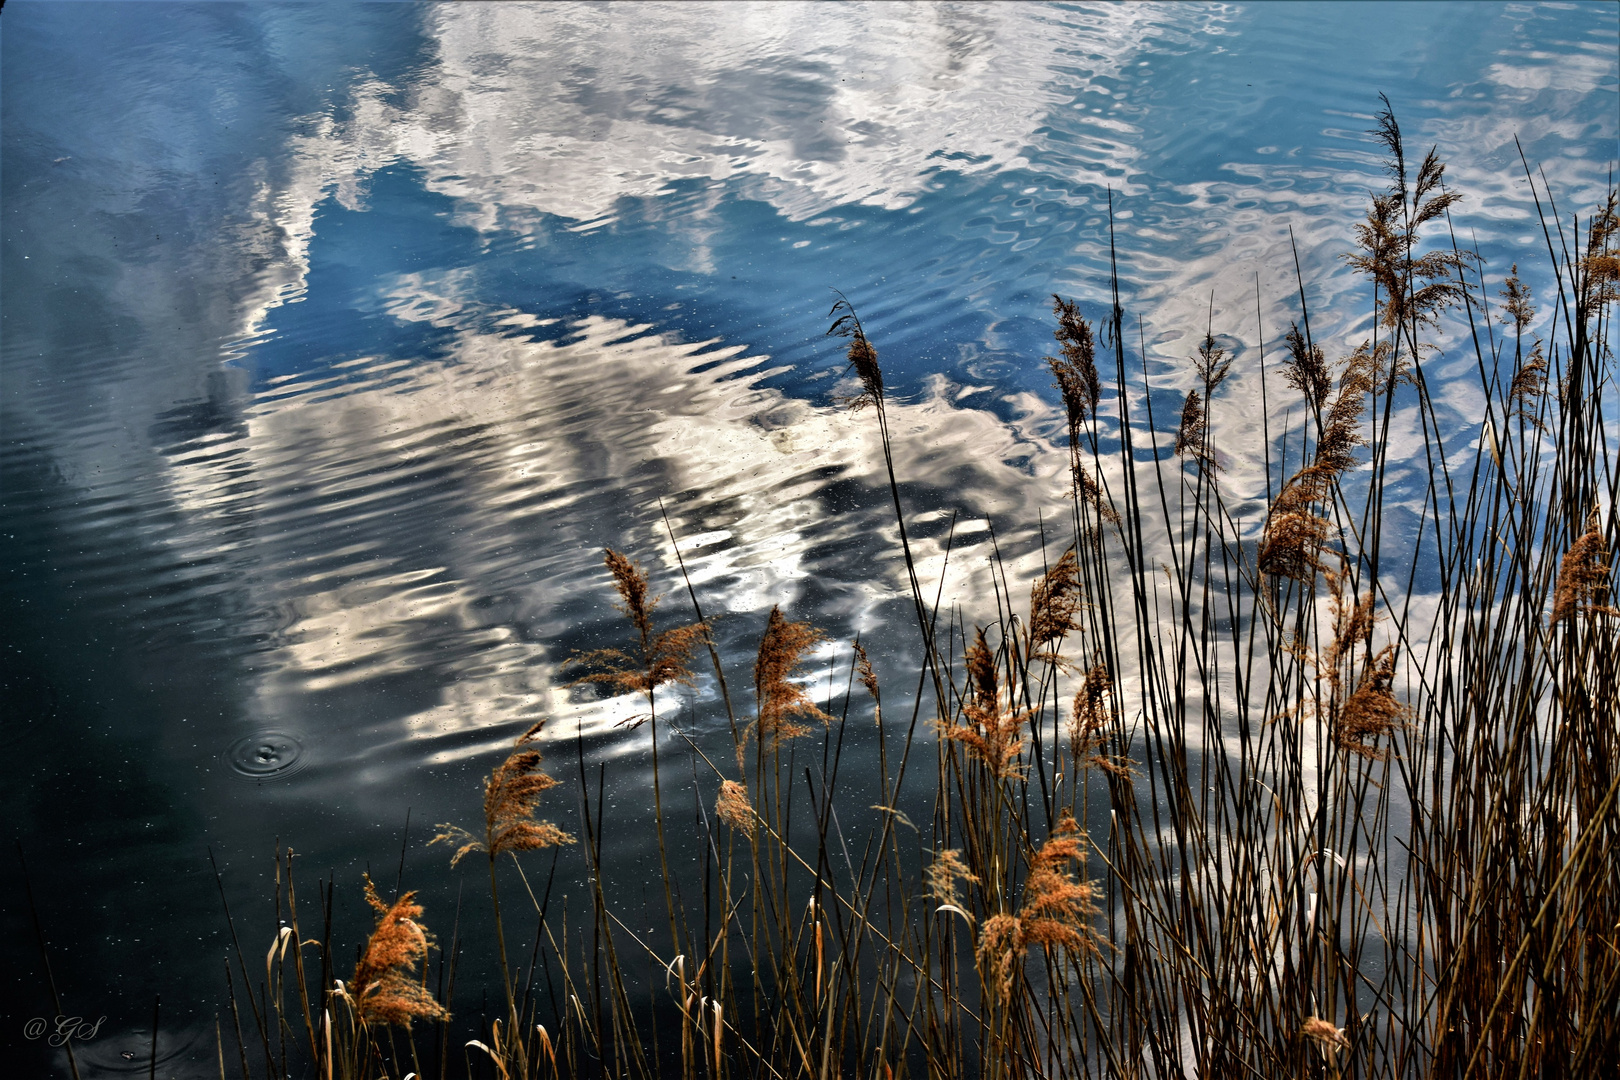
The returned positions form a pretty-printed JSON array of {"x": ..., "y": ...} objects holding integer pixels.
[
  {"x": 942, "y": 876},
  {"x": 781, "y": 653},
  {"x": 1054, "y": 601},
  {"x": 1516, "y": 305},
  {"x": 659, "y": 659},
  {"x": 1372, "y": 710},
  {"x": 863, "y": 358},
  {"x": 992, "y": 735},
  {"x": 1583, "y": 576},
  {"x": 1076, "y": 369},
  {"x": 863, "y": 667},
  {"x": 1053, "y": 912},
  {"x": 511, "y": 795},
  {"x": 1093, "y": 708},
  {"x": 1324, "y": 1033},
  {"x": 733, "y": 806},
  {"x": 1192, "y": 434},
  {"x": 385, "y": 987}
]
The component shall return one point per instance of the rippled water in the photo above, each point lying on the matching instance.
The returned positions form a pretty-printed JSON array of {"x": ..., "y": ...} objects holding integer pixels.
[{"x": 339, "y": 340}]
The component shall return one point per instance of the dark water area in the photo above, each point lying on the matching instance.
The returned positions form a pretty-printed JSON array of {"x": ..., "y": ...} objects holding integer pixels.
[{"x": 339, "y": 340}]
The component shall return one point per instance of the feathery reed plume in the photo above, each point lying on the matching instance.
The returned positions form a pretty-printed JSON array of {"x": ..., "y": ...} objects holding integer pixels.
[
  {"x": 1583, "y": 576},
  {"x": 1324, "y": 1033},
  {"x": 1372, "y": 711},
  {"x": 1599, "y": 268},
  {"x": 863, "y": 667},
  {"x": 1092, "y": 710},
  {"x": 733, "y": 807},
  {"x": 781, "y": 652},
  {"x": 1190, "y": 435},
  {"x": 1076, "y": 370},
  {"x": 1413, "y": 289},
  {"x": 1516, "y": 305},
  {"x": 1077, "y": 381},
  {"x": 992, "y": 735},
  {"x": 1054, "y": 601},
  {"x": 663, "y": 655},
  {"x": 1529, "y": 386},
  {"x": 1212, "y": 363},
  {"x": 385, "y": 987},
  {"x": 942, "y": 875},
  {"x": 862, "y": 356},
  {"x": 1052, "y": 912},
  {"x": 1294, "y": 533},
  {"x": 1306, "y": 370},
  {"x": 511, "y": 795}
]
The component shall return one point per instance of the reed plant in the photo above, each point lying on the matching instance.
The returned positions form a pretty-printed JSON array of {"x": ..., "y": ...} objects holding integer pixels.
[{"x": 1292, "y": 794}]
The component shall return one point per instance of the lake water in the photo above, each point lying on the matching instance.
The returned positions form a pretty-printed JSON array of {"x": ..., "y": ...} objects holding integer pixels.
[{"x": 340, "y": 340}]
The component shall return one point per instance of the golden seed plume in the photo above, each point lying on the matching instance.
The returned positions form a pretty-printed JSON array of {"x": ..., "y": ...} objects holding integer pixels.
[
  {"x": 1412, "y": 289},
  {"x": 1305, "y": 369},
  {"x": 1529, "y": 386},
  {"x": 1076, "y": 369},
  {"x": 1583, "y": 576},
  {"x": 1052, "y": 913},
  {"x": 511, "y": 795},
  {"x": 863, "y": 666},
  {"x": 1093, "y": 709},
  {"x": 781, "y": 652},
  {"x": 1191, "y": 434},
  {"x": 660, "y": 659},
  {"x": 1294, "y": 533},
  {"x": 385, "y": 987},
  {"x": 1372, "y": 711},
  {"x": 992, "y": 735},
  {"x": 1324, "y": 1033},
  {"x": 1054, "y": 601},
  {"x": 1077, "y": 381},
  {"x": 1516, "y": 305},
  {"x": 733, "y": 806},
  {"x": 1598, "y": 277},
  {"x": 863, "y": 358},
  {"x": 943, "y": 874}
]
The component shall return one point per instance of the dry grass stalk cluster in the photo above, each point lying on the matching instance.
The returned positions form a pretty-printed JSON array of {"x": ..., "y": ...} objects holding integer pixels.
[{"x": 1328, "y": 791}]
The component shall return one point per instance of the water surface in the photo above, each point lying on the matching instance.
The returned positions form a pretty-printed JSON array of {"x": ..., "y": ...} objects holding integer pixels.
[{"x": 339, "y": 341}]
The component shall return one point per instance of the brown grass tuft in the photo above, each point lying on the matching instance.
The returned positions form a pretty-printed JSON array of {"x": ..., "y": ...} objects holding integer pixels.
[
  {"x": 1093, "y": 708},
  {"x": 1583, "y": 576},
  {"x": 1192, "y": 434},
  {"x": 733, "y": 806},
  {"x": 1306, "y": 370},
  {"x": 781, "y": 652},
  {"x": 663, "y": 656},
  {"x": 1516, "y": 305},
  {"x": 1294, "y": 534},
  {"x": 863, "y": 357},
  {"x": 1052, "y": 913},
  {"x": 1529, "y": 386},
  {"x": 1077, "y": 381},
  {"x": 1372, "y": 711},
  {"x": 1599, "y": 279},
  {"x": 943, "y": 874},
  {"x": 863, "y": 667},
  {"x": 1054, "y": 601},
  {"x": 1076, "y": 369},
  {"x": 1324, "y": 1033},
  {"x": 511, "y": 794},
  {"x": 385, "y": 987},
  {"x": 1412, "y": 289},
  {"x": 991, "y": 734}
]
